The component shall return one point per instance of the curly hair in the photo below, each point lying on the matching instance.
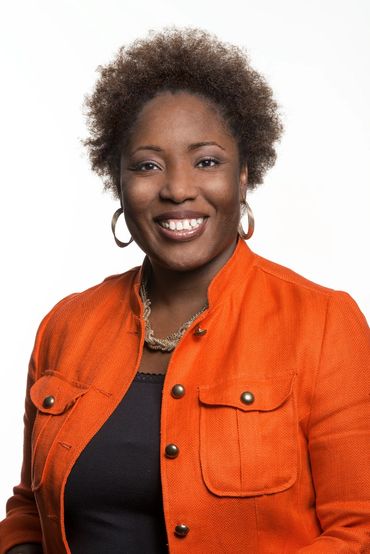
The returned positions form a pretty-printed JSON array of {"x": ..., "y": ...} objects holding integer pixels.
[{"x": 181, "y": 59}]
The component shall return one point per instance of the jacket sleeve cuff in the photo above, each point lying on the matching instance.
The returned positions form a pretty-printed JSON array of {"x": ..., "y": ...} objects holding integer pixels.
[{"x": 19, "y": 529}]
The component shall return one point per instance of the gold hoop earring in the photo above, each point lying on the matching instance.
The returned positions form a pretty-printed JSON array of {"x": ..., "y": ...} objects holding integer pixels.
[
  {"x": 246, "y": 208},
  {"x": 115, "y": 218}
]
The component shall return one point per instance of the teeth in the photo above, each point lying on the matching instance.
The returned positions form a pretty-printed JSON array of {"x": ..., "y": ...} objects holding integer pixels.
[{"x": 181, "y": 224}]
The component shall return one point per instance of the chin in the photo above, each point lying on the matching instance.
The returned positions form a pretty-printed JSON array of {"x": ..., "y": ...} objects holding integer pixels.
[
  {"x": 180, "y": 264},
  {"x": 188, "y": 259}
]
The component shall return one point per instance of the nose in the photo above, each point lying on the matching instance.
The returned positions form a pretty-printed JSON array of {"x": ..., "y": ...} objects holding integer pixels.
[{"x": 178, "y": 185}]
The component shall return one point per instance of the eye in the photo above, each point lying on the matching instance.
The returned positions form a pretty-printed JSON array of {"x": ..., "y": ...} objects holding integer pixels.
[
  {"x": 208, "y": 162},
  {"x": 144, "y": 166}
]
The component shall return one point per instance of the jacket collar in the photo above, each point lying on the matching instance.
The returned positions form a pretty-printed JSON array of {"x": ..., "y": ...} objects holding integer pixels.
[{"x": 232, "y": 275}]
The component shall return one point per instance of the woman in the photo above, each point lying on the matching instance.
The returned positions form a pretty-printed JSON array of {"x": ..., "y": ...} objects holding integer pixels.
[{"x": 211, "y": 400}]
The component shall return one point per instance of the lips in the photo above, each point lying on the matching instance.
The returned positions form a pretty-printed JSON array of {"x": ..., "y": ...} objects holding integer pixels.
[{"x": 181, "y": 225}]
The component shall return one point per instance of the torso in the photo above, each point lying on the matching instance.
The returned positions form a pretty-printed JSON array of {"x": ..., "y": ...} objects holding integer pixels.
[
  {"x": 153, "y": 361},
  {"x": 113, "y": 497}
]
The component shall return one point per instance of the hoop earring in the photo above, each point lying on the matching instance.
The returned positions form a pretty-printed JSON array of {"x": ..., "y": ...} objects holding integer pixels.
[
  {"x": 246, "y": 208},
  {"x": 115, "y": 217}
]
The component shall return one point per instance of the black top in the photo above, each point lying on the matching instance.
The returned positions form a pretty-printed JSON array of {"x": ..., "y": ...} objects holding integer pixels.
[{"x": 113, "y": 500}]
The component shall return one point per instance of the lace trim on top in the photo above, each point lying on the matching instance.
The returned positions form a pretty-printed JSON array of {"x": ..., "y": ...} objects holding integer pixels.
[{"x": 149, "y": 377}]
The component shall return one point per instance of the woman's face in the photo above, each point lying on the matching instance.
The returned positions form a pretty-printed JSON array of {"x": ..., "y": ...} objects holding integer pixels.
[{"x": 182, "y": 182}]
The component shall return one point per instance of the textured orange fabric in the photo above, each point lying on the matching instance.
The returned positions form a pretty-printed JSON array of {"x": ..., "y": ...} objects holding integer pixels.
[{"x": 286, "y": 473}]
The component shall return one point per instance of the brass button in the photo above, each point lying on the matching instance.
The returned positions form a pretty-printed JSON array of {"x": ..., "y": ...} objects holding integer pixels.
[
  {"x": 48, "y": 402},
  {"x": 171, "y": 451},
  {"x": 178, "y": 391},
  {"x": 247, "y": 397},
  {"x": 199, "y": 332},
  {"x": 181, "y": 530}
]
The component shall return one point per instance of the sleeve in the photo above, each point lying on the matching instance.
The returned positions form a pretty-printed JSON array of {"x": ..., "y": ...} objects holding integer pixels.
[
  {"x": 22, "y": 522},
  {"x": 339, "y": 432}
]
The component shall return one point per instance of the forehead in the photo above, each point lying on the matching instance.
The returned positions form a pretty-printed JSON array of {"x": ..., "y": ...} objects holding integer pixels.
[{"x": 179, "y": 116}]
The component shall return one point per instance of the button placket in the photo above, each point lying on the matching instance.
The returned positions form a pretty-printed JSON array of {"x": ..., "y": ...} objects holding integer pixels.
[{"x": 172, "y": 451}]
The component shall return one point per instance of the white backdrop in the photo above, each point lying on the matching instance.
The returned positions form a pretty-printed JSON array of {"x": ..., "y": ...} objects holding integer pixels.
[{"x": 312, "y": 214}]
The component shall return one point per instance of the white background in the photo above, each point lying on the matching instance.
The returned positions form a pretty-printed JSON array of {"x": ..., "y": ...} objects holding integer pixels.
[{"x": 312, "y": 214}]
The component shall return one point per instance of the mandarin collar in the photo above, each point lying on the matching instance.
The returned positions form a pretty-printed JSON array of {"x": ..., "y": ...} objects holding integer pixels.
[{"x": 231, "y": 276}]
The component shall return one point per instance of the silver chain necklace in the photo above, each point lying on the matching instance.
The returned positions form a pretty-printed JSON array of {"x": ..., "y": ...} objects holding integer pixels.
[{"x": 169, "y": 343}]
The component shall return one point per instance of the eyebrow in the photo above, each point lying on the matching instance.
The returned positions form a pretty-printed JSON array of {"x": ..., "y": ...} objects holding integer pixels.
[
  {"x": 190, "y": 148},
  {"x": 197, "y": 145},
  {"x": 147, "y": 147}
]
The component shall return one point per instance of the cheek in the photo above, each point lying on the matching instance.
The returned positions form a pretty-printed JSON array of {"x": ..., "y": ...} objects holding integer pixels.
[
  {"x": 137, "y": 197},
  {"x": 224, "y": 194}
]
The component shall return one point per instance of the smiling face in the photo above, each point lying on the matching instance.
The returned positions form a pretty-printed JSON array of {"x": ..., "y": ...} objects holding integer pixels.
[{"x": 182, "y": 183}]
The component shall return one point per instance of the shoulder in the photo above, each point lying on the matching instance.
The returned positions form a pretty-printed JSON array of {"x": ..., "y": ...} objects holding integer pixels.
[
  {"x": 112, "y": 288},
  {"x": 78, "y": 307},
  {"x": 287, "y": 284},
  {"x": 284, "y": 276}
]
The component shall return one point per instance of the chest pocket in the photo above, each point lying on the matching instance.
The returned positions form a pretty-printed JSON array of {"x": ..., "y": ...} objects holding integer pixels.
[
  {"x": 248, "y": 436},
  {"x": 54, "y": 398}
]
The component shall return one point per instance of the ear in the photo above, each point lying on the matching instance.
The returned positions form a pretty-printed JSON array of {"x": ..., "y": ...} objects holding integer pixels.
[{"x": 243, "y": 181}]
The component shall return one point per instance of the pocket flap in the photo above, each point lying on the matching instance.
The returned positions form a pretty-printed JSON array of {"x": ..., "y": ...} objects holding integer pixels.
[
  {"x": 53, "y": 394},
  {"x": 249, "y": 394}
]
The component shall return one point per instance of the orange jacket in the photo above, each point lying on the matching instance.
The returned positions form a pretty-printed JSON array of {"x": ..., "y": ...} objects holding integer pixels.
[{"x": 284, "y": 469}]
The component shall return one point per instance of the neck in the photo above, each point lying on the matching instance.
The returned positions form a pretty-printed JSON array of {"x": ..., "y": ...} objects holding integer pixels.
[{"x": 172, "y": 288}]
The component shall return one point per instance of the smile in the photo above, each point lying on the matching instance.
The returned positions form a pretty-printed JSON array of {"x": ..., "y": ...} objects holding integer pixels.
[
  {"x": 181, "y": 224},
  {"x": 182, "y": 229}
]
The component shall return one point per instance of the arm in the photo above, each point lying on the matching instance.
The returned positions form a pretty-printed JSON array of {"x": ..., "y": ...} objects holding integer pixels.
[
  {"x": 22, "y": 524},
  {"x": 22, "y": 528},
  {"x": 339, "y": 433}
]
